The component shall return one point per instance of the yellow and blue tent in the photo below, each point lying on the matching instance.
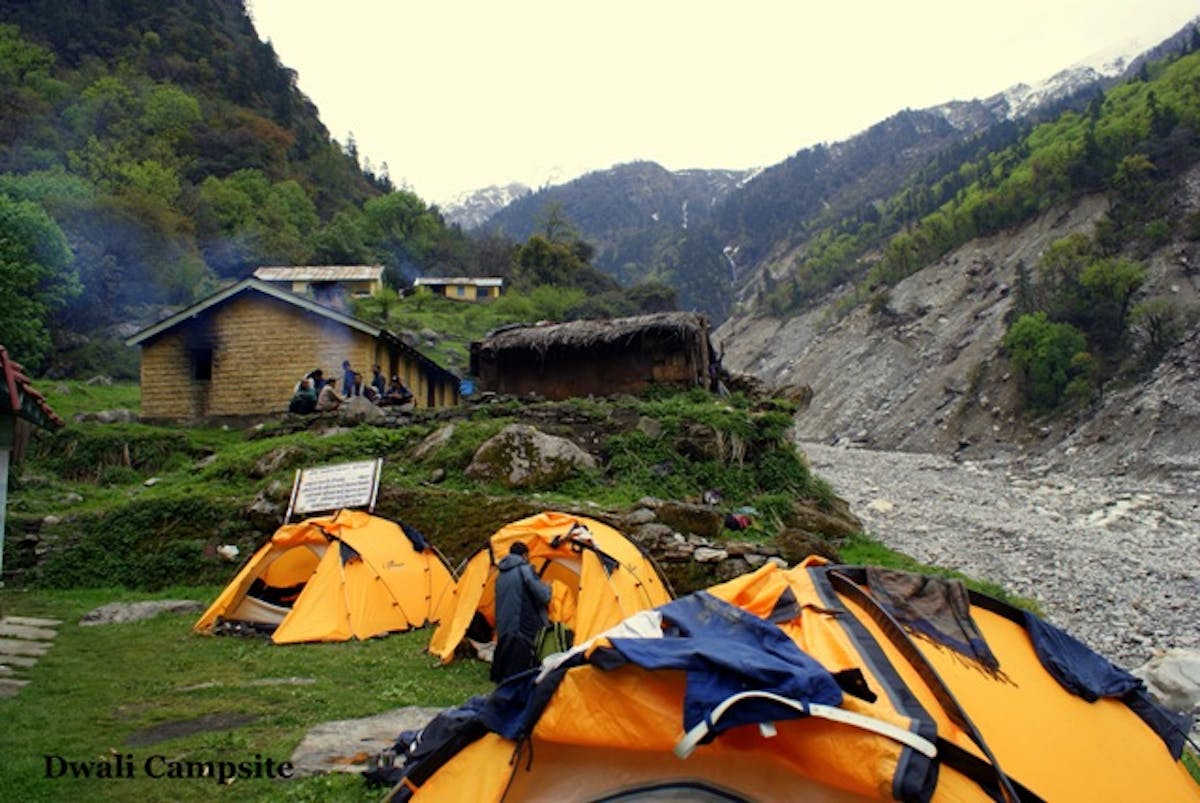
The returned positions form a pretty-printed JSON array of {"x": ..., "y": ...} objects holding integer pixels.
[
  {"x": 598, "y": 577},
  {"x": 822, "y": 682}
]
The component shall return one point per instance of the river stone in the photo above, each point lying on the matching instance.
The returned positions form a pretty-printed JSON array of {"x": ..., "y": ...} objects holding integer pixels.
[
  {"x": 123, "y": 612},
  {"x": 344, "y": 745},
  {"x": 1173, "y": 678}
]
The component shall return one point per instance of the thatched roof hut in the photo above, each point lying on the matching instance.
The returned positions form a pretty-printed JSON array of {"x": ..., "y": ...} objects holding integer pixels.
[{"x": 599, "y": 357}]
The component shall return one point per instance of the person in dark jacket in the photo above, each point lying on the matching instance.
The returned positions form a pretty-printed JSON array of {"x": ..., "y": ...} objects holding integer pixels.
[
  {"x": 521, "y": 602},
  {"x": 304, "y": 400},
  {"x": 379, "y": 382}
]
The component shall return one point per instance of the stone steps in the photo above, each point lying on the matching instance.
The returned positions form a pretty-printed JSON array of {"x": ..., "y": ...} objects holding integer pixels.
[{"x": 23, "y": 639}]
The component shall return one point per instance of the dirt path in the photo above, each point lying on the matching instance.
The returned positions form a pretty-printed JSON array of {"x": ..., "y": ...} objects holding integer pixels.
[{"x": 1113, "y": 560}]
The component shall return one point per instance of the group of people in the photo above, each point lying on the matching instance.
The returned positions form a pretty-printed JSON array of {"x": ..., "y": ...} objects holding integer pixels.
[{"x": 317, "y": 394}]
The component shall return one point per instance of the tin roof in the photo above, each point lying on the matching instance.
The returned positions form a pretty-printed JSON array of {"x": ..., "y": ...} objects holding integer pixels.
[
  {"x": 478, "y": 281},
  {"x": 321, "y": 273}
]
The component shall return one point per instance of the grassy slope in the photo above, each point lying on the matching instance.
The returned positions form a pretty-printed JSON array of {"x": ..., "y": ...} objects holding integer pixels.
[{"x": 97, "y": 686}]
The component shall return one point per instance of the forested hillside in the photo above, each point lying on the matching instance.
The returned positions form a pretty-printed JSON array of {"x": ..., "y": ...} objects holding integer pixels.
[
  {"x": 1047, "y": 301},
  {"x": 1127, "y": 140},
  {"x": 783, "y": 237},
  {"x": 149, "y": 151},
  {"x": 644, "y": 223},
  {"x": 1076, "y": 306}
]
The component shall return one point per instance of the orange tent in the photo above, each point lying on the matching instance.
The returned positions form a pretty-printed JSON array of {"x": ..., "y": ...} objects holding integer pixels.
[
  {"x": 820, "y": 683},
  {"x": 598, "y": 577},
  {"x": 350, "y": 575}
]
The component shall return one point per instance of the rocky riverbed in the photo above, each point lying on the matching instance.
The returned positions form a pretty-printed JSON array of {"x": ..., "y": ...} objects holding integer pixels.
[{"x": 1113, "y": 560}]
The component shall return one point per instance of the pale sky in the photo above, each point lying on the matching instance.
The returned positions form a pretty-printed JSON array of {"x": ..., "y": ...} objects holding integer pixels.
[{"x": 455, "y": 95}]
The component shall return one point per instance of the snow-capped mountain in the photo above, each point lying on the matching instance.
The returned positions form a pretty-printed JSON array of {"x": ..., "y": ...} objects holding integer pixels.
[
  {"x": 1098, "y": 70},
  {"x": 470, "y": 209}
]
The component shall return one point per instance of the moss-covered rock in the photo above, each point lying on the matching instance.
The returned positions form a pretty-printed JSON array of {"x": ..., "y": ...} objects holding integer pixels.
[
  {"x": 457, "y": 522},
  {"x": 521, "y": 456},
  {"x": 829, "y": 518},
  {"x": 700, "y": 520}
]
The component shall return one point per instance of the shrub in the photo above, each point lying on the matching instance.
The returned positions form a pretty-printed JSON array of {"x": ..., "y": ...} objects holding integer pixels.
[
  {"x": 91, "y": 453},
  {"x": 1050, "y": 356},
  {"x": 147, "y": 544},
  {"x": 1159, "y": 326}
]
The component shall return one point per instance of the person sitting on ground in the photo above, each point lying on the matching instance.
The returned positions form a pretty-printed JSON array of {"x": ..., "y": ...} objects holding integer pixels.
[
  {"x": 378, "y": 383},
  {"x": 397, "y": 393},
  {"x": 361, "y": 388},
  {"x": 521, "y": 613},
  {"x": 304, "y": 400},
  {"x": 329, "y": 399},
  {"x": 316, "y": 377}
]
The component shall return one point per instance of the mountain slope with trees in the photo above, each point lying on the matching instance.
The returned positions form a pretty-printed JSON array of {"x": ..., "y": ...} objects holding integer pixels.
[
  {"x": 1059, "y": 279},
  {"x": 150, "y": 153},
  {"x": 170, "y": 151},
  {"x": 643, "y": 222},
  {"x": 826, "y": 205}
]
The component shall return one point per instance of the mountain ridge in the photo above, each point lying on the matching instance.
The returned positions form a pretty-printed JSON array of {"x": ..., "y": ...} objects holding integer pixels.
[{"x": 768, "y": 194}]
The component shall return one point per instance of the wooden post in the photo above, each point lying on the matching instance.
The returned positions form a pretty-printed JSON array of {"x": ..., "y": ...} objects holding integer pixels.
[{"x": 7, "y": 428}]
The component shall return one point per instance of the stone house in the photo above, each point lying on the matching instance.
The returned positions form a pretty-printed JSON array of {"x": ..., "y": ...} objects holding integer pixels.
[
  {"x": 463, "y": 288},
  {"x": 241, "y": 351},
  {"x": 600, "y": 358}
]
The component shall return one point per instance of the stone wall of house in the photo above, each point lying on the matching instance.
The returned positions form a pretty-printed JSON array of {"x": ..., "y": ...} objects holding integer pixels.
[
  {"x": 168, "y": 390},
  {"x": 265, "y": 346},
  {"x": 260, "y": 348},
  {"x": 285, "y": 342},
  {"x": 606, "y": 370}
]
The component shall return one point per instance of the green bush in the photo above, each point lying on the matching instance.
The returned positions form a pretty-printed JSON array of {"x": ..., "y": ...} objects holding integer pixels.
[
  {"x": 92, "y": 452},
  {"x": 146, "y": 544},
  {"x": 1050, "y": 356},
  {"x": 1157, "y": 233}
]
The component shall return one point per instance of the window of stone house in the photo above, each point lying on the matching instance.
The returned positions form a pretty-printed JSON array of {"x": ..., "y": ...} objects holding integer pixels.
[{"x": 202, "y": 360}]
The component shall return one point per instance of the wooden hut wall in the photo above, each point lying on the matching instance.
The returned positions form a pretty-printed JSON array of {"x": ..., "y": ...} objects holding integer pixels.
[{"x": 600, "y": 370}]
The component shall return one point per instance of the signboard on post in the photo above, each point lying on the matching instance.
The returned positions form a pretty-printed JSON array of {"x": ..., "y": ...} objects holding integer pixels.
[{"x": 327, "y": 488}]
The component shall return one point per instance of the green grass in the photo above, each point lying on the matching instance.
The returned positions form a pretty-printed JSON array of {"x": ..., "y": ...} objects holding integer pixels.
[
  {"x": 98, "y": 686},
  {"x": 457, "y": 323},
  {"x": 1192, "y": 762},
  {"x": 69, "y": 397}
]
